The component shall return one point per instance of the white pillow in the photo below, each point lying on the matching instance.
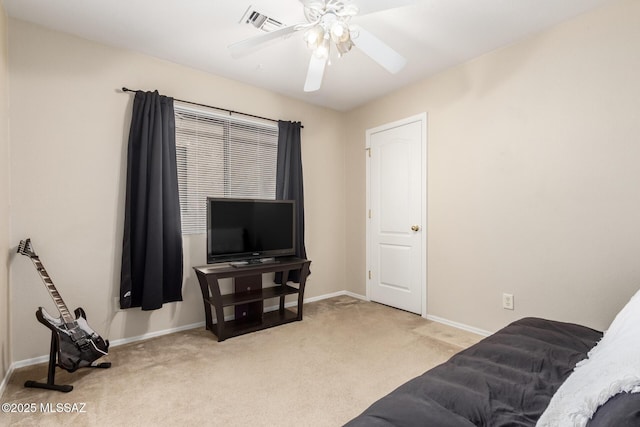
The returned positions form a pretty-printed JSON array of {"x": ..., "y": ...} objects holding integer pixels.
[{"x": 611, "y": 367}]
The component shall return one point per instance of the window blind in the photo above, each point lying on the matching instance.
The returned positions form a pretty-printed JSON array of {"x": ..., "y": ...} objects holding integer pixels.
[{"x": 221, "y": 156}]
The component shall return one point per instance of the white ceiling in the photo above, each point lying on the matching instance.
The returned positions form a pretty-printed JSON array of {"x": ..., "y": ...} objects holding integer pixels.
[{"x": 432, "y": 34}]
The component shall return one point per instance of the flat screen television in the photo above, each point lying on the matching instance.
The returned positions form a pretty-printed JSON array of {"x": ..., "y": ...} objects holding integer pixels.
[{"x": 249, "y": 230}]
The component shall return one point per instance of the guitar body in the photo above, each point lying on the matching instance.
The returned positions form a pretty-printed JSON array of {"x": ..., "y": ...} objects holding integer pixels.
[{"x": 78, "y": 345}]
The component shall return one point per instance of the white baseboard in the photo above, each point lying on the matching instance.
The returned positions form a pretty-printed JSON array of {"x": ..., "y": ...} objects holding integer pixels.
[
  {"x": 122, "y": 341},
  {"x": 335, "y": 294},
  {"x": 28, "y": 362},
  {"x": 352, "y": 295},
  {"x": 462, "y": 326},
  {"x": 5, "y": 380}
]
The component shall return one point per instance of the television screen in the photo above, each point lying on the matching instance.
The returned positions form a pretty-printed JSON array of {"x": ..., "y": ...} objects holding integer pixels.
[{"x": 244, "y": 229}]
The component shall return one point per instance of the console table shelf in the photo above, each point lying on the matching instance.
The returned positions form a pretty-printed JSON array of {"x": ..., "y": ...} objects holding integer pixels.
[
  {"x": 248, "y": 297},
  {"x": 258, "y": 295},
  {"x": 271, "y": 318}
]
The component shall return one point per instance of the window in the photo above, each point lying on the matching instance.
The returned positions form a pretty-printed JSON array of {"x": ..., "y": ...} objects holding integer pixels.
[{"x": 221, "y": 156}]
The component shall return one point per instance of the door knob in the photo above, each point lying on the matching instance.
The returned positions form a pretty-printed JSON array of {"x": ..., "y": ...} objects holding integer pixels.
[{"x": 415, "y": 227}]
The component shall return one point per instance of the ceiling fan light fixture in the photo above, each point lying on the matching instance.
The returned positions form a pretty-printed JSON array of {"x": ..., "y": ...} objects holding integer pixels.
[
  {"x": 344, "y": 47},
  {"x": 331, "y": 29},
  {"x": 339, "y": 32},
  {"x": 314, "y": 37},
  {"x": 322, "y": 51}
]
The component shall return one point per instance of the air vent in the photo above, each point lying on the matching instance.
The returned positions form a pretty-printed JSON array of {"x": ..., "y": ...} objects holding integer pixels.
[{"x": 260, "y": 20}]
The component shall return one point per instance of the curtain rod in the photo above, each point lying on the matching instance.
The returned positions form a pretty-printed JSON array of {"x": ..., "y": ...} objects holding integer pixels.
[{"x": 124, "y": 89}]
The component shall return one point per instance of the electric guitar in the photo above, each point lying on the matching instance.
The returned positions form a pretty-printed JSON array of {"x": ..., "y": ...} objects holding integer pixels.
[{"x": 78, "y": 345}]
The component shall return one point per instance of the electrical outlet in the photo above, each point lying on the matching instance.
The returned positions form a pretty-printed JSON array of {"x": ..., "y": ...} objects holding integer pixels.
[{"x": 507, "y": 301}]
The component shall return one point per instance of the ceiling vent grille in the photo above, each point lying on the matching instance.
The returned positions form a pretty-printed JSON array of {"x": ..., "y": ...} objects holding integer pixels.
[{"x": 260, "y": 20}]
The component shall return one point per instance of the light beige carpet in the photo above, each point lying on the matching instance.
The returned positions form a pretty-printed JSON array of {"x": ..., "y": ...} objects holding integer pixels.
[{"x": 323, "y": 371}]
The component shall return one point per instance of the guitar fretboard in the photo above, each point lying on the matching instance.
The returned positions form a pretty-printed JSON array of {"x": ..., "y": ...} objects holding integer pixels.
[{"x": 57, "y": 299}]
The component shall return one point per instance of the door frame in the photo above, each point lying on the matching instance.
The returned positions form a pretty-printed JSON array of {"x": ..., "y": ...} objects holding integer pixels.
[{"x": 422, "y": 118}]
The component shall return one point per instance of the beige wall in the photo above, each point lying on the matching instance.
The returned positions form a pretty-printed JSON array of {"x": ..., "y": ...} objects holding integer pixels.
[
  {"x": 5, "y": 342},
  {"x": 533, "y": 181},
  {"x": 69, "y": 131}
]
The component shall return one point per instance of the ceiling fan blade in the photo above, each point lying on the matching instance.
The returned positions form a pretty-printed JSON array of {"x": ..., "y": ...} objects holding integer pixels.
[
  {"x": 314, "y": 74},
  {"x": 377, "y": 50},
  {"x": 371, "y": 6},
  {"x": 245, "y": 47}
]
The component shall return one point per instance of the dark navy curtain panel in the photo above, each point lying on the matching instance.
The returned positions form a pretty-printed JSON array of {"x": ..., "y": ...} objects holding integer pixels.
[
  {"x": 152, "y": 244},
  {"x": 289, "y": 183}
]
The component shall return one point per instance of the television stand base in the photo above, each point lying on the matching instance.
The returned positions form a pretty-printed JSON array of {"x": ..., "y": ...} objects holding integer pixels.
[{"x": 248, "y": 296}]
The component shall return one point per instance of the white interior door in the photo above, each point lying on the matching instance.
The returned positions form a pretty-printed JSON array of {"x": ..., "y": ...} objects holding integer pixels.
[{"x": 396, "y": 253}]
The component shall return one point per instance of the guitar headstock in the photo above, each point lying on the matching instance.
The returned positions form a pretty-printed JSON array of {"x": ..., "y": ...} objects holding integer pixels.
[{"x": 25, "y": 248}]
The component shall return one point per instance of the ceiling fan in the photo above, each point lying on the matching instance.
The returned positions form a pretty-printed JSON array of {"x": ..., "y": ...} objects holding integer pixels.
[{"x": 328, "y": 25}]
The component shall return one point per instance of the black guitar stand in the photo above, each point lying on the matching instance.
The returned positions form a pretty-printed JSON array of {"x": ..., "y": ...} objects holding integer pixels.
[{"x": 51, "y": 376}]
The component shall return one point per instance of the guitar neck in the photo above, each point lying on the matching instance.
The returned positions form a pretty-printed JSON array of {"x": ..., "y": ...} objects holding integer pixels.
[{"x": 57, "y": 299}]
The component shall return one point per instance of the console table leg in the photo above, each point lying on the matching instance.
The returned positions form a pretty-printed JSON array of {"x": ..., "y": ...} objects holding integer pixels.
[
  {"x": 304, "y": 272},
  {"x": 208, "y": 317},
  {"x": 285, "y": 277},
  {"x": 206, "y": 298},
  {"x": 214, "y": 289}
]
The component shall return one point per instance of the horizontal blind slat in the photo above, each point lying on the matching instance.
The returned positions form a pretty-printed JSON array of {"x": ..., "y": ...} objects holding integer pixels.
[{"x": 221, "y": 157}]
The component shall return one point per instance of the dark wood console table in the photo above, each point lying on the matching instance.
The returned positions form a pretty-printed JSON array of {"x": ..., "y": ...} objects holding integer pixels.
[{"x": 248, "y": 296}]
